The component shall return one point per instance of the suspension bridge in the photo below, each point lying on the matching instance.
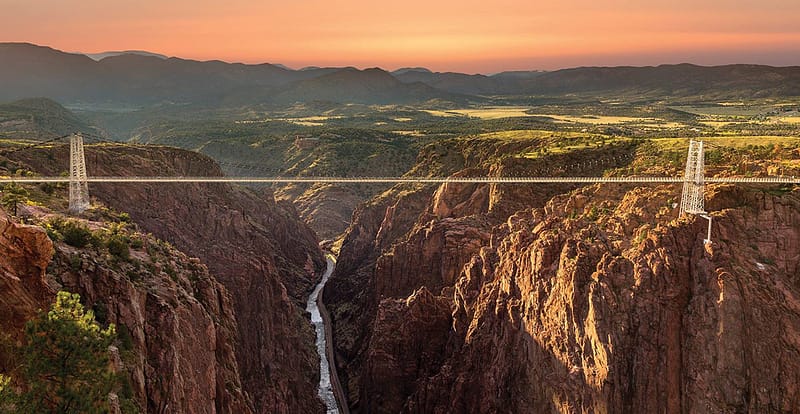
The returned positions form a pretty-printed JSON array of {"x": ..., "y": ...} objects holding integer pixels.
[{"x": 692, "y": 199}]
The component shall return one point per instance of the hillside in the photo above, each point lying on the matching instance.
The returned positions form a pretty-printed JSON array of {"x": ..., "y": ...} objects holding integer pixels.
[
  {"x": 457, "y": 82},
  {"x": 337, "y": 152},
  {"x": 30, "y": 70},
  {"x": 749, "y": 81},
  {"x": 38, "y": 119},
  {"x": 685, "y": 80},
  {"x": 145, "y": 80},
  {"x": 349, "y": 85}
]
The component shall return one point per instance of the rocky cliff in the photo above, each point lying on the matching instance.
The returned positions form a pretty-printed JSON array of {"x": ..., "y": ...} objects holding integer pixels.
[
  {"x": 25, "y": 252},
  {"x": 596, "y": 299},
  {"x": 257, "y": 248},
  {"x": 175, "y": 321}
]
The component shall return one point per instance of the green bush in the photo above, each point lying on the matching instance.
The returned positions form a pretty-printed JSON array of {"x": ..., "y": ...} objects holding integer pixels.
[
  {"x": 76, "y": 234},
  {"x": 52, "y": 232},
  {"x": 118, "y": 246},
  {"x": 48, "y": 188},
  {"x": 137, "y": 242}
]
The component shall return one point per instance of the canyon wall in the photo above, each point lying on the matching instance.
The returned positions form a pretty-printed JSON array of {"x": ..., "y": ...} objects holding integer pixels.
[
  {"x": 176, "y": 326},
  {"x": 258, "y": 249},
  {"x": 546, "y": 299}
]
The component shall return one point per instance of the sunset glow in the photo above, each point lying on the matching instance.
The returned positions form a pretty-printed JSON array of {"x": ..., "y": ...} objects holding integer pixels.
[{"x": 468, "y": 36}]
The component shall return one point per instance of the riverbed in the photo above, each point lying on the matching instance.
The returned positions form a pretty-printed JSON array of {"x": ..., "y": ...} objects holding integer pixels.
[{"x": 326, "y": 392}]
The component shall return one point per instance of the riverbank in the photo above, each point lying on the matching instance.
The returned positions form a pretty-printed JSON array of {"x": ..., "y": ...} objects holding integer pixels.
[{"x": 336, "y": 386}]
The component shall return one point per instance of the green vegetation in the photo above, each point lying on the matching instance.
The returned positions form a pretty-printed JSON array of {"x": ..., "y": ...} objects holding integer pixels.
[
  {"x": 65, "y": 365},
  {"x": 75, "y": 233},
  {"x": 37, "y": 118},
  {"x": 577, "y": 134},
  {"x": 119, "y": 246},
  {"x": 13, "y": 195},
  {"x": 115, "y": 237}
]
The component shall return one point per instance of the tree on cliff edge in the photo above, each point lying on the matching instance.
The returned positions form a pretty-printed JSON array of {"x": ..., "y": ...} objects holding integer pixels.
[
  {"x": 65, "y": 362},
  {"x": 13, "y": 194}
]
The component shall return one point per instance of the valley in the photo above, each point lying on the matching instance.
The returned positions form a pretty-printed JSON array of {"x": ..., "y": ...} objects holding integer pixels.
[{"x": 445, "y": 297}]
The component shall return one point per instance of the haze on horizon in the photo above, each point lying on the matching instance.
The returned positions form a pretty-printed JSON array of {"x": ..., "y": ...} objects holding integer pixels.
[{"x": 465, "y": 36}]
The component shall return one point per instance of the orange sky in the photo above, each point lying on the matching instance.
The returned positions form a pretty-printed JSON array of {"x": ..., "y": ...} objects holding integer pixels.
[{"x": 468, "y": 36}]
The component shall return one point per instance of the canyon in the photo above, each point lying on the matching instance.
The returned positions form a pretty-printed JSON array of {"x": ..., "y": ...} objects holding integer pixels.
[
  {"x": 259, "y": 263},
  {"x": 486, "y": 299},
  {"x": 445, "y": 298}
]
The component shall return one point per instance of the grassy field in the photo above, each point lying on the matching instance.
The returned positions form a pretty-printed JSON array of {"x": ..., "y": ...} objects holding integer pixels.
[
  {"x": 496, "y": 112},
  {"x": 499, "y": 112},
  {"x": 728, "y": 141},
  {"x": 788, "y": 119},
  {"x": 742, "y": 111},
  {"x": 599, "y": 119},
  {"x": 527, "y": 134}
]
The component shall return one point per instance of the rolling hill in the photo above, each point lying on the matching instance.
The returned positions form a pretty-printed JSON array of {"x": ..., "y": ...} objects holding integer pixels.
[
  {"x": 38, "y": 118},
  {"x": 370, "y": 86}
]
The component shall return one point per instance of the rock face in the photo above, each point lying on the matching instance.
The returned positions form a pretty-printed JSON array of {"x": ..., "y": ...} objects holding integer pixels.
[
  {"x": 592, "y": 300},
  {"x": 25, "y": 252},
  {"x": 326, "y": 208},
  {"x": 177, "y": 330},
  {"x": 176, "y": 323},
  {"x": 258, "y": 249}
]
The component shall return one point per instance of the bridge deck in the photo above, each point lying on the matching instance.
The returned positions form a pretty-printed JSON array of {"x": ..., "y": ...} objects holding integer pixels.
[{"x": 394, "y": 180}]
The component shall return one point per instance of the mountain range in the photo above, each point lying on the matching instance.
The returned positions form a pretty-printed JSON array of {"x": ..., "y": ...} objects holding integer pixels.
[
  {"x": 143, "y": 78},
  {"x": 103, "y": 55}
]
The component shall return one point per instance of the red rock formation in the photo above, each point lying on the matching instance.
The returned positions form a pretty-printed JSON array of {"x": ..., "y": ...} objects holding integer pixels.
[
  {"x": 25, "y": 252},
  {"x": 177, "y": 330},
  {"x": 597, "y": 301},
  {"x": 179, "y": 320},
  {"x": 259, "y": 250}
]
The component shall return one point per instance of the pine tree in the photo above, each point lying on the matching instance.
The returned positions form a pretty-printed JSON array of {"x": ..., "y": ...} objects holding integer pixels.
[
  {"x": 65, "y": 362},
  {"x": 13, "y": 194}
]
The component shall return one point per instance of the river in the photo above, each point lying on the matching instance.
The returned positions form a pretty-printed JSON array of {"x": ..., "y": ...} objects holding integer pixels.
[{"x": 326, "y": 391}]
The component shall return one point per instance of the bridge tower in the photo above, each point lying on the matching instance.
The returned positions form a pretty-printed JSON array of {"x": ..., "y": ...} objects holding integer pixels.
[
  {"x": 692, "y": 200},
  {"x": 78, "y": 180}
]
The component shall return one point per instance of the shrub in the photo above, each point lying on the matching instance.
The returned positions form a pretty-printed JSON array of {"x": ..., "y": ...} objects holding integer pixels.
[
  {"x": 137, "y": 242},
  {"x": 52, "y": 232},
  {"x": 76, "y": 234},
  {"x": 48, "y": 188},
  {"x": 118, "y": 246}
]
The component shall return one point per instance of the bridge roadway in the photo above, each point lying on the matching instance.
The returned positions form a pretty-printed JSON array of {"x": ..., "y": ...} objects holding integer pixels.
[{"x": 395, "y": 180}]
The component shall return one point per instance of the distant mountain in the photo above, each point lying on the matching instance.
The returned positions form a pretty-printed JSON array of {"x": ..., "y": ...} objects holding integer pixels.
[
  {"x": 350, "y": 85},
  {"x": 405, "y": 70},
  {"x": 518, "y": 74},
  {"x": 672, "y": 80},
  {"x": 682, "y": 80},
  {"x": 29, "y": 70},
  {"x": 103, "y": 55},
  {"x": 455, "y": 82},
  {"x": 142, "y": 79}
]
